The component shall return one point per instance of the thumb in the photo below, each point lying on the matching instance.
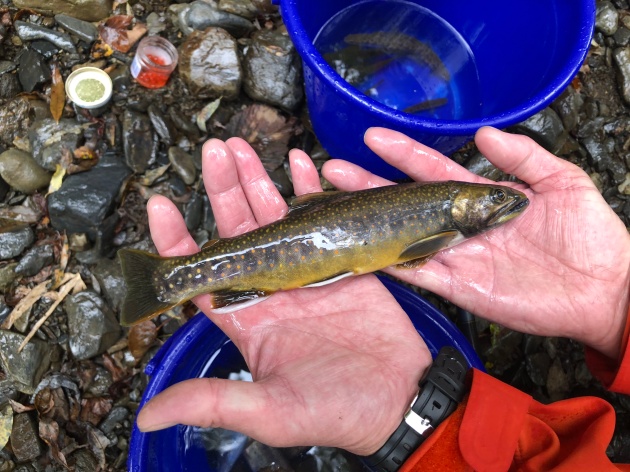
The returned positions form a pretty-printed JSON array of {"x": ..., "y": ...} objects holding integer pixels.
[{"x": 217, "y": 403}]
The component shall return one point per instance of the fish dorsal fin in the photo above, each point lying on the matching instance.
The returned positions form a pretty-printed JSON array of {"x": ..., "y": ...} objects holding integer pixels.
[
  {"x": 210, "y": 243},
  {"x": 421, "y": 251},
  {"x": 309, "y": 201}
]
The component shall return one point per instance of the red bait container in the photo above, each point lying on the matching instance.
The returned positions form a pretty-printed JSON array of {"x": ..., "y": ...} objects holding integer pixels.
[{"x": 155, "y": 60}]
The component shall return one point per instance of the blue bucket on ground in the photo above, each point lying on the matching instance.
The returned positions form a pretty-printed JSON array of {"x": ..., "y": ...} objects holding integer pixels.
[
  {"x": 200, "y": 349},
  {"x": 525, "y": 51}
]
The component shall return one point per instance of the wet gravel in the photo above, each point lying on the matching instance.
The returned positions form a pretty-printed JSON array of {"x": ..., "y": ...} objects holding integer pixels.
[{"x": 75, "y": 387}]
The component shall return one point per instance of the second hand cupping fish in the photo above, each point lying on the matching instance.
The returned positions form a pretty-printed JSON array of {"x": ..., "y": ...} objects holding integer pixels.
[{"x": 324, "y": 237}]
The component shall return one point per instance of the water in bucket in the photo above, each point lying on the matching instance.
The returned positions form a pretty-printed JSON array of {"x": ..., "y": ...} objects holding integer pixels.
[{"x": 404, "y": 56}]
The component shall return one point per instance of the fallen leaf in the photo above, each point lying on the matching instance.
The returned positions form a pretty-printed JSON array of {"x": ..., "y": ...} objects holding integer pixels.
[
  {"x": 206, "y": 113},
  {"x": 98, "y": 442},
  {"x": 57, "y": 94},
  {"x": 57, "y": 179},
  {"x": 101, "y": 49},
  {"x": 116, "y": 33},
  {"x": 6, "y": 424},
  {"x": 19, "y": 408},
  {"x": 150, "y": 176},
  {"x": 49, "y": 432},
  {"x": 25, "y": 304},
  {"x": 84, "y": 152},
  {"x": 141, "y": 338},
  {"x": 93, "y": 410}
]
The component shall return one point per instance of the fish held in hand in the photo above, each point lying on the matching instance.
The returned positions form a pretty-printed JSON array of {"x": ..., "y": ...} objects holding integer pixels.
[{"x": 324, "y": 237}]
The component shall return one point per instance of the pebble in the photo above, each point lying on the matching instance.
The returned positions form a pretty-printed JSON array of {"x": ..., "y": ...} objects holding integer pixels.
[
  {"x": 281, "y": 181},
  {"x": 193, "y": 212},
  {"x": 4, "y": 188},
  {"x": 162, "y": 124},
  {"x": 622, "y": 61},
  {"x": 83, "y": 29},
  {"x": 46, "y": 49},
  {"x": 22, "y": 172},
  {"x": 545, "y": 127},
  {"x": 537, "y": 366},
  {"x": 478, "y": 164},
  {"x": 108, "y": 273},
  {"x": 25, "y": 442},
  {"x": 85, "y": 200},
  {"x": 607, "y": 17},
  {"x": 100, "y": 383},
  {"x": 27, "y": 367},
  {"x": 92, "y": 326},
  {"x": 7, "y": 274},
  {"x": 200, "y": 15},
  {"x": 7, "y": 66},
  {"x": 273, "y": 70},
  {"x": 29, "y": 32},
  {"x": 183, "y": 164},
  {"x": 88, "y": 10},
  {"x": 114, "y": 418},
  {"x": 622, "y": 36},
  {"x": 568, "y": 106},
  {"x": 140, "y": 142},
  {"x": 244, "y": 8},
  {"x": 9, "y": 85},
  {"x": 14, "y": 240},
  {"x": 601, "y": 157},
  {"x": 14, "y": 120},
  {"x": 34, "y": 260},
  {"x": 209, "y": 64},
  {"x": 33, "y": 70},
  {"x": 49, "y": 139},
  {"x": 155, "y": 24},
  {"x": 83, "y": 459},
  {"x": 557, "y": 381}
]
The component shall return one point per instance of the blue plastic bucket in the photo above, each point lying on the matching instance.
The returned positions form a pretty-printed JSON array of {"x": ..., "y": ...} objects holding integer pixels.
[
  {"x": 200, "y": 349},
  {"x": 526, "y": 52}
]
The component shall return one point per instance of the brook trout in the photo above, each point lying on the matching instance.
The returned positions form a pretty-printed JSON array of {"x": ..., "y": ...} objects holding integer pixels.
[{"x": 324, "y": 237}]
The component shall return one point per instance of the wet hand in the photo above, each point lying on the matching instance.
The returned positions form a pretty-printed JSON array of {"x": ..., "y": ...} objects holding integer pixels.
[
  {"x": 334, "y": 365},
  {"x": 560, "y": 269}
]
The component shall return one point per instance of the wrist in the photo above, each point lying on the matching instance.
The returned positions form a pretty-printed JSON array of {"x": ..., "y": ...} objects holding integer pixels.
[{"x": 612, "y": 340}]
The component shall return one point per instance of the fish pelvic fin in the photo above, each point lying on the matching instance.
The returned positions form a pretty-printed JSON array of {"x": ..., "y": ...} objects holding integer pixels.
[
  {"x": 421, "y": 251},
  {"x": 142, "y": 301}
]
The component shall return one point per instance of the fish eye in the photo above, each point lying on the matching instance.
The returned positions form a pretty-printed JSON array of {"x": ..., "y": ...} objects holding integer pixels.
[{"x": 498, "y": 196}]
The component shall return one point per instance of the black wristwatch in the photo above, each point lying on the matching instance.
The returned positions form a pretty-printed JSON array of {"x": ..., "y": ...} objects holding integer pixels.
[{"x": 441, "y": 390}]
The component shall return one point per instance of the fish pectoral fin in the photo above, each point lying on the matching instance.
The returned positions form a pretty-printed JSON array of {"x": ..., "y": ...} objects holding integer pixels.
[
  {"x": 236, "y": 300},
  {"x": 308, "y": 201},
  {"x": 210, "y": 243},
  {"x": 421, "y": 251}
]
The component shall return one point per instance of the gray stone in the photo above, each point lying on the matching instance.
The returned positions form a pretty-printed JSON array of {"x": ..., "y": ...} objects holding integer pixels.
[
  {"x": 100, "y": 383},
  {"x": 29, "y": 32},
  {"x": 273, "y": 70},
  {"x": 622, "y": 36},
  {"x": 14, "y": 240},
  {"x": 49, "y": 139},
  {"x": 27, "y": 367},
  {"x": 85, "y": 200},
  {"x": 82, "y": 459},
  {"x": 183, "y": 164},
  {"x": 7, "y": 66},
  {"x": 155, "y": 24},
  {"x": 34, "y": 260},
  {"x": 557, "y": 381},
  {"x": 545, "y": 127},
  {"x": 567, "y": 106},
  {"x": 33, "y": 70},
  {"x": 140, "y": 142},
  {"x": 22, "y": 172},
  {"x": 92, "y": 326},
  {"x": 162, "y": 124},
  {"x": 46, "y": 49},
  {"x": 25, "y": 442},
  {"x": 209, "y": 222},
  {"x": 622, "y": 61},
  {"x": 108, "y": 273},
  {"x": 9, "y": 85},
  {"x": 607, "y": 17},
  {"x": 537, "y": 366},
  {"x": 88, "y": 10},
  {"x": 199, "y": 15},
  {"x": 193, "y": 212},
  {"x": 115, "y": 417},
  {"x": 601, "y": 156},
  {"x": 209, "y": 64},
  {"x": 7, "y": 275},
  {"x": 14, "y": 119},
  {"x": 83, "y": 29},
  {"x": 244, "y": 8},
  {"x": 4, "y": 188},
  {"x": 478, "y": 164}
]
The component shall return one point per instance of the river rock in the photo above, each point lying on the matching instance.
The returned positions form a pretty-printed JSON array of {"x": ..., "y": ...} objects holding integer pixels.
[
  {"x": 29, "y": 32},
  {"x": 209, "y": 64},
  {"x": 83, "y": 29},
  {"x": 7, "y": 274},
  {"x": 26, "y": 367},
  {"x": 25, "y": 442},
  {"x": 140, "y": 142},
  {"x": 92, "y": 326},
  {"x": 88, "y": 10},
  {"x": 34, "y": 260},
  {"x": 545, "y": 127},
  {"x": 114, "y": 418},
  {"x": 84, "y": 200},
  {"x": 601, "y": 155},
  {"x": 9, "y": 85},
  {"x": 199, "y": 15},
  {"x": 162, "y": 124},
  {"x": 193, "y": 212},
  {"x": 7, "y": 66},
  {"x": 273, "y": 70},
  {"x": 108, "y": 273},
  {"x": 13, "y": 241},
  {"x": 33, "y": 70},
  {"x": 244, "y": 8},
  {"x": 622, "y": 36},
  {"x": 622, "y": 61},
  {"x": 14, "y": 119},
  {"x": 183, "y": 164},
  {"x": 49, "y": 139},
  {"x": 478, "y": 164},
  {"x": 22, "y": 172},
  {"x": 607, "y": 17}
]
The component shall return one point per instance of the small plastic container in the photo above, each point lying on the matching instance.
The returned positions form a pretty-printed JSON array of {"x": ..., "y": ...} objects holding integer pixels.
[
  {"x": 154, "y": 62},
  {"x": 89, "y": 87}
]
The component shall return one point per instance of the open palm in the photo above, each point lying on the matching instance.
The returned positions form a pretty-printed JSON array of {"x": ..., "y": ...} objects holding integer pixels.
[
  {"x": 310, "y": 351},
  {"x": 562, "y": 268}
]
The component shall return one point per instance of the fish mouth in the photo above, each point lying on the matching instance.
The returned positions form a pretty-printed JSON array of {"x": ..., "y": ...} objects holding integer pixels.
[{"x": 509, "y": 211}]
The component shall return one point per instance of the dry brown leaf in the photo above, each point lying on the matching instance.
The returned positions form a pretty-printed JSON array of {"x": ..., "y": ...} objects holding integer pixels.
[
  {"x": 57, "y": 94},
  {"x": 25, "y": 304},
  {"x": 6, "y": 424},
  {"x": 94, "y": 410},
  {"x": 84, "y": 152},
  {"x": 116, "y": 33},
  {"x": 141, "y": 338},
  {"x": 49, "y": 432},
  {"x": 150, "y": 176},
  {"x": 19, "y": 408},
  {"x": 101, "y": 49}
]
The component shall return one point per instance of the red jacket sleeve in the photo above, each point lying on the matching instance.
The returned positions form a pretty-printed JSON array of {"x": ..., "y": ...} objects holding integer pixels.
[{"x": 499, "y": 428}]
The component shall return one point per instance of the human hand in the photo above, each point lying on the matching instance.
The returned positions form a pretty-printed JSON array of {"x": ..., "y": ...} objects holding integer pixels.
[
  {"x": 335, "y": 365},
  {"x": 560, "y": 269}
]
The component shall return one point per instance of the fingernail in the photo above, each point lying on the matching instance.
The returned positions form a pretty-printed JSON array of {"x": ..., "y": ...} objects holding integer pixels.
[{"x": 148, "y": 428}]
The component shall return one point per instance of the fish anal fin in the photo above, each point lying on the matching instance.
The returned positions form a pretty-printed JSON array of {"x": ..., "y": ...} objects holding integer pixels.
[
  {"x": 421, "y": 251},
  {"x": 236, "y": 300}
]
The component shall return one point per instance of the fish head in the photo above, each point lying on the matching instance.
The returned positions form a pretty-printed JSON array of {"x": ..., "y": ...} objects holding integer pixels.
[{"x": 479, "y": 207}]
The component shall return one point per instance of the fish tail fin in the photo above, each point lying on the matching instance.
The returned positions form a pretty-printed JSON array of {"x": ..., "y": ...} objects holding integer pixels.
[{"x": 142, "y": 301}]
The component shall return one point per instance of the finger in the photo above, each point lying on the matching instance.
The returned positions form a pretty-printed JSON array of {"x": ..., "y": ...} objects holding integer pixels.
[
  {"x": 347, "y": 176},
  {"x": 521, "y": 156},
  {"x": 304, "y": 172},
  {"x": 168, "y": 229},
  {"x": 229, "y": 204},
  {"x": 418, "y": 161},
  {"x": 218, "y": 403},
  {"x": 264, "y": 199}
]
